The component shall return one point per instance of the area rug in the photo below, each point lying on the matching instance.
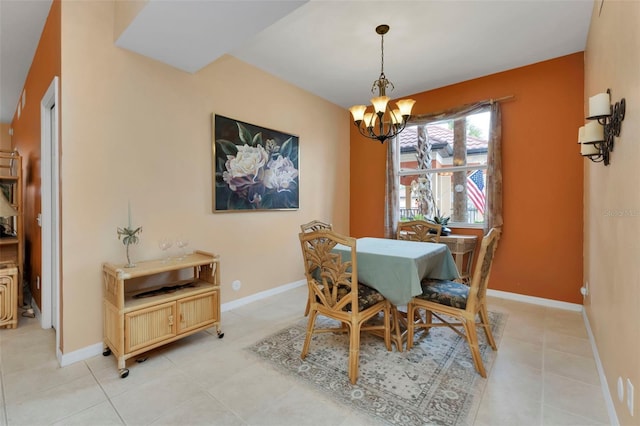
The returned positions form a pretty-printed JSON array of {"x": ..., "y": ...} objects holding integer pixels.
[{"x": 435, "y": 383}]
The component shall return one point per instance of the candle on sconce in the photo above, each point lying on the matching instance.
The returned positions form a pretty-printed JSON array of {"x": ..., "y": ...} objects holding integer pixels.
[
  {"x": 588, "y": 149},
  {"x": 599, "y": 105},
  {"x": 593, "y": 132},
  {"x": 580, "y": 134}
]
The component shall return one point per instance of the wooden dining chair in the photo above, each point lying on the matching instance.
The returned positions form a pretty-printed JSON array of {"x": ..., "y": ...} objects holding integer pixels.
[
  {"x": 419, "y": 230},
  {"x": 314, "y": 225},
  {"x": 333, "y": 282},
  {"x": 460, "y": 302}
]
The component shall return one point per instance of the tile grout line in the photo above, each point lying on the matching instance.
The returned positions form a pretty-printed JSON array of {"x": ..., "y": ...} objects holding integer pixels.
[
  {"x": 105, "y": 393},
  {"x": 2, "y": 380},
  {"x": 544, "y": 350}
]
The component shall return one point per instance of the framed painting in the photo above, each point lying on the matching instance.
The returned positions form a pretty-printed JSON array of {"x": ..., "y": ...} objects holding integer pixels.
[{"x": 254, "y": 168}]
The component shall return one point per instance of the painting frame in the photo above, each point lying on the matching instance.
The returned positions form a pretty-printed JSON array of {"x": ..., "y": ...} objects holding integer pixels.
[{"x": 254, "y": 168}]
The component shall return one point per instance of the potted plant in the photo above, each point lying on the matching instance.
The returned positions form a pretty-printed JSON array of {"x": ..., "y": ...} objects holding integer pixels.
[{"x": 443, "y": 221}]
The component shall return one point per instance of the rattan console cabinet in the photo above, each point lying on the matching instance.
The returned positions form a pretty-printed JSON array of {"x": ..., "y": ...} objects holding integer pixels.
[{"x": 157, "y": 302}]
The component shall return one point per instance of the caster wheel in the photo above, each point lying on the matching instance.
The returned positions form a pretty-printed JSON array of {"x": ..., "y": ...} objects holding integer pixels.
[
  {"x": 220, "y": 335},
  {"x": 124, "y": 373},
  {"x": 143, "y": 359},
  {"x": 106, "y": 352}
]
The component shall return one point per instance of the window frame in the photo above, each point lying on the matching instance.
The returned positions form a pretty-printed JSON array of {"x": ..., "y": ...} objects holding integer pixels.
[{"x": 401, "y": 172}]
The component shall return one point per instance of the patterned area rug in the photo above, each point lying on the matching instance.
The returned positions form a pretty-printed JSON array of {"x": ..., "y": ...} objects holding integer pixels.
[{"x": 433, "y": 384}]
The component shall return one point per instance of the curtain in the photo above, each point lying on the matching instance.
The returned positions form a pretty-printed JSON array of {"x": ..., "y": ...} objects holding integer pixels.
[
  {"x": 493, "y": 187},
  {"x": 493, "y": 218},
  {"x": 392, "y": 196}
]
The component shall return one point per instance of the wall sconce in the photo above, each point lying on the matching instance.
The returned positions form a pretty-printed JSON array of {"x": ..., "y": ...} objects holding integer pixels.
[{"x": 596, "y": 137}]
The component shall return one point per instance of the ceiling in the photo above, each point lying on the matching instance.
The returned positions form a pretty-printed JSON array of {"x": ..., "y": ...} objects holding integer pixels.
[{"x": 329, "y": 48}]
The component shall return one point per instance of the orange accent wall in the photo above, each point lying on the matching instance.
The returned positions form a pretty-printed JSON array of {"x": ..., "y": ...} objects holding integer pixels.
[
  {"x": 540, "y": 252},
  {"x": 26, "y": 136}
]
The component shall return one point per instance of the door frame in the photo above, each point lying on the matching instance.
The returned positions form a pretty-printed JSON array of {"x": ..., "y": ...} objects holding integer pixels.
[{"x": 50, "y": 209}]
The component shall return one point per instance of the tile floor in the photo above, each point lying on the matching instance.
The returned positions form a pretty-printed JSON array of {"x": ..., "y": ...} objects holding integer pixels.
[{"x": 544, "y": 374}]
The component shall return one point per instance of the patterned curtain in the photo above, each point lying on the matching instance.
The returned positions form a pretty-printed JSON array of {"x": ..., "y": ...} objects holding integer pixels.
[
  {"x": 493, "y": 187},
  {"x": 392, "y": 197}
]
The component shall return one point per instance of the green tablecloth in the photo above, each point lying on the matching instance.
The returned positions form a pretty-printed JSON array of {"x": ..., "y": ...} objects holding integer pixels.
[{"x": 395, "y": 267}]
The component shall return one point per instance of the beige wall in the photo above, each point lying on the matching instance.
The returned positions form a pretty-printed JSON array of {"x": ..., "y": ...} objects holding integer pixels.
[
  {"x": 612, "y": 201},
  {"x": 5, "y": 138},
  {"x": 135, "y": 129}
]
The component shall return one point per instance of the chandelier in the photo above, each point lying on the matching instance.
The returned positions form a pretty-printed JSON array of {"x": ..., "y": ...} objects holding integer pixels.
[{"x": 383, "y": 122}]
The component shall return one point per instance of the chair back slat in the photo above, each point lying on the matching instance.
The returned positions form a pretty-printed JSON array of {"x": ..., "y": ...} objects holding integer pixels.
[
  {"x": 332, "y": 278},
  {"x": 481, "y": 274},
  {"x": 419, "y": 230},
  {"x": 315, "y": 225}
]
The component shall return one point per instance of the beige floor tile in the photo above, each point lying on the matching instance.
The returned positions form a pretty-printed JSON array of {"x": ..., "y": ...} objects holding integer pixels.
[
  {"x": 202, "y": 409},
  {"x": 555, "y": 417},
  {"x": 56, "y": 403},
  {"x": 574, "y": 397},
  {"x": 22, "y": 385},
  {"x": 520, "y": 352},
  {"x": 498, "y": 408},
  {"x": 524, "y": 329},
  {"x": 570, "y": 324},
  {"x": 516, "y": 379},
  {"x": 573, "y": 366},
  {"x": 251, "y": 390},
  {"x": 573, "y": 345},
  {"x": 157, "y": 397},
  {"x": 140, "y": 374},
  {"x": 102, "y": 414}
]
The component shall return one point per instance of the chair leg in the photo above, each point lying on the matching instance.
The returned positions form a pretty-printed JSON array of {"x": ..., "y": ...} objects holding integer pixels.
[
  {"x": 484, "y": 317},
  {"x": 312, "y": 321},
  {"x": 354, "y": 352},
  {"x": 306, "y": 310},
  {"x": 411, "y": 310},
  {"x": 472, "y": 340},
  {"x": 396, "y": 327},
  {"x": 387, "y": 328}
]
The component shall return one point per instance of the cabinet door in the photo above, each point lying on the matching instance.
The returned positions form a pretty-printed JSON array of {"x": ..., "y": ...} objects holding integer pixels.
[
  {"x": 148, "y": 326},
  {"x": 198, "y": 311}
]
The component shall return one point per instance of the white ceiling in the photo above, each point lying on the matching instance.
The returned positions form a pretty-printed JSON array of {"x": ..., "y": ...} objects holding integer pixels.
[{"x": 327, "y": 47}]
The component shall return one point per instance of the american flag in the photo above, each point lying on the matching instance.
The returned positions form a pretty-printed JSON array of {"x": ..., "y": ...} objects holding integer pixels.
[{"x": 475, "y": 190}]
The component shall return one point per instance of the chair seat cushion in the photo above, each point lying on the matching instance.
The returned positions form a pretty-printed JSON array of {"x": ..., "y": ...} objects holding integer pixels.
[
  {"x": 368, "y": 297},
  {"x": 445, "y": 292}
]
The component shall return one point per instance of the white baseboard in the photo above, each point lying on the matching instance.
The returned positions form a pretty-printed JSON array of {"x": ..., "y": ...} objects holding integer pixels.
[
  {"x": 80, "y": 354},
  {"x": 262, "y": 295},
  {"x": 535, "y": 300},
  {"x": 611, "y": 410}
]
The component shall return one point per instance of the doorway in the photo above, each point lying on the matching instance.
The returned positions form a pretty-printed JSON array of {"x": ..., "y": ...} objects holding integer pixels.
[{"x": 50, "y": 211}]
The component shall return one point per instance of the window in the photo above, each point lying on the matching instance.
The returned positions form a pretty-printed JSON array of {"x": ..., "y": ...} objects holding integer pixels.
[{"x": 443, "y": 168}]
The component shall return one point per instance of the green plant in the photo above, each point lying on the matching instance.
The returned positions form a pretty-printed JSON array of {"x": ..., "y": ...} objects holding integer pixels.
[
  {"x": 440, "y": 219},
  {"x": 129, "y": 236}
]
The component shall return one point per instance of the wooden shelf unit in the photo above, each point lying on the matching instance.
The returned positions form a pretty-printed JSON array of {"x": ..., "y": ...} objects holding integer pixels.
[
  {"x": 12, "y": 247},
  {"x": 133, "y": 325}
]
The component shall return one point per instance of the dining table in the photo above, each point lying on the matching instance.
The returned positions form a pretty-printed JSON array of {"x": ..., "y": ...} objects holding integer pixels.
[{"x": 395, "y": 269}]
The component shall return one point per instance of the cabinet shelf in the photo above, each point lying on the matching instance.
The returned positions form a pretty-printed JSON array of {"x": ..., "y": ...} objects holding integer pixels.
[
  {"x": 9, "y": 240},
  {"x": 132, "y": 303}
]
